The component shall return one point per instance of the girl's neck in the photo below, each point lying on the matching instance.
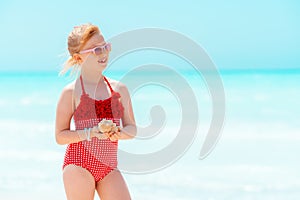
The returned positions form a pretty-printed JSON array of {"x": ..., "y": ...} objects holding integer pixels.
[{"x": 91, "y": 77}]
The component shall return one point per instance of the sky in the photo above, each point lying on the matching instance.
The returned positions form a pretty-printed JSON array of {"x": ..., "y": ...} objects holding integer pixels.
[{"x": 256, "y": 34}]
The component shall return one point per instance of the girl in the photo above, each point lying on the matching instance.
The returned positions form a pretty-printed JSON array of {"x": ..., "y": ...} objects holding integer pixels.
[{"x": 90, "y": 162}]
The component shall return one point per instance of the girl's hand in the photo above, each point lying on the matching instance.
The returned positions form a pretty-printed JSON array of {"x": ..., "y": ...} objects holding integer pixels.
[
  {"x": 96, "y": 133},
  {"x": 114, "y": 135}
]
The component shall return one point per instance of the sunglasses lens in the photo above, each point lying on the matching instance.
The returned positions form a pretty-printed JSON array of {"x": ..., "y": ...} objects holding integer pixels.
[{"x": 98, "y": 51}]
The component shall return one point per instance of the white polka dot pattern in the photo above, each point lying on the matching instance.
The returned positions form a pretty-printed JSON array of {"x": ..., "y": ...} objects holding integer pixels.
[{"x": 97, "y": 156}]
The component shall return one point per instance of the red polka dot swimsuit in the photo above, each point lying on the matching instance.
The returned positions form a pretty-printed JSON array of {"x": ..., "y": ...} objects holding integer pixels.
[{"x": 99, "y": 157}]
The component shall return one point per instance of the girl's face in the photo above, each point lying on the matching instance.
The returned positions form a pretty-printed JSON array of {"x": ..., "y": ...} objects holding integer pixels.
[{"x": 94, "y": 54}]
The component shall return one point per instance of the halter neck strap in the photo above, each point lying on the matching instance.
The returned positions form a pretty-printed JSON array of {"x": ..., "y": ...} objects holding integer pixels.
[{"x": 82, "y": 85}]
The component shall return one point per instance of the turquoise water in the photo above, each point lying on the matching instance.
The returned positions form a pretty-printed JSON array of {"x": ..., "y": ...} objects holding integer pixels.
[{"x": 256, "y": 157}]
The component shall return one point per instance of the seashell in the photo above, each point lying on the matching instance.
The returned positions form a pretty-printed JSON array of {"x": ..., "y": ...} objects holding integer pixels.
[{"x": 105, "y": 125}]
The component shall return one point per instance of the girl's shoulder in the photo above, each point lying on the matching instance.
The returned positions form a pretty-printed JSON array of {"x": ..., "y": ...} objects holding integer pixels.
[
  {"x": 119, "y": 87},
  {"x": 116, "y": 85},
  {"x": 71, "y": 88}
]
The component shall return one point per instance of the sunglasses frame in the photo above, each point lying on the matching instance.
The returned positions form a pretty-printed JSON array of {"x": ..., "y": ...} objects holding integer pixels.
[{"x": 103, "y": 48}]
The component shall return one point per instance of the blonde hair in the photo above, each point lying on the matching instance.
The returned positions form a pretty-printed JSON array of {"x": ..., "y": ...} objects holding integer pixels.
[{"x": 76, "y": 40}]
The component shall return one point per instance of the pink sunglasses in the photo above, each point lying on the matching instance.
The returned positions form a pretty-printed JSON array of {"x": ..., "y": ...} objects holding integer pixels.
[{"x": 98, "y": 50}]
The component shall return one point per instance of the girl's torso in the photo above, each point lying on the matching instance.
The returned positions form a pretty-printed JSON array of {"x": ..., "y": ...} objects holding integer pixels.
[{"x": 89, "y": 112}]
